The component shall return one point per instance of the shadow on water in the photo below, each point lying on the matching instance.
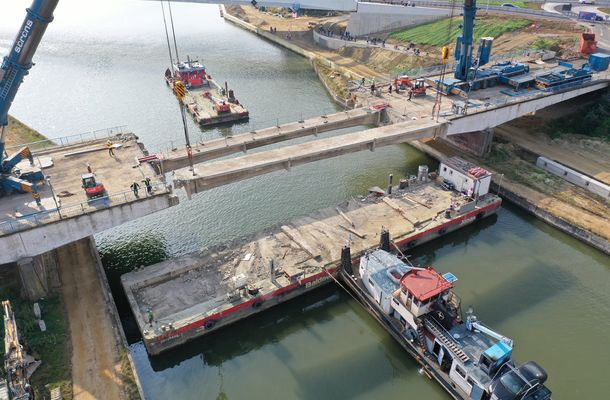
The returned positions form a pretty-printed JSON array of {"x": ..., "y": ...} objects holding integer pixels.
[
  {"x": 427, "y": 253},
  {"x": 524, "y": 290},
  {"x": 121, "y": 256},
  {"x": 267, "y": 327}
]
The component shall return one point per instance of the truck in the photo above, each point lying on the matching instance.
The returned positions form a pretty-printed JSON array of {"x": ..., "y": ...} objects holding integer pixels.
[{"x": 587, "y": 16}]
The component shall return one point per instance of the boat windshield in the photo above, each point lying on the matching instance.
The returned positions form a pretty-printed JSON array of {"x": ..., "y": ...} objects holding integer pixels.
[{"x": 513, "y": 383}]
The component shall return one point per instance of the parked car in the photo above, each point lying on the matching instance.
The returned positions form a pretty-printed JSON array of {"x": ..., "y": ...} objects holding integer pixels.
[{"x": 510, "y": 5}]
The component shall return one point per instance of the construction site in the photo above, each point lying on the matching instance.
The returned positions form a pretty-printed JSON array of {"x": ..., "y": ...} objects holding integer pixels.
[{"x": 485, "y": 99}]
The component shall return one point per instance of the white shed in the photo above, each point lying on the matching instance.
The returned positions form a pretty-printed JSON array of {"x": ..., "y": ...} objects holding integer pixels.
[{"x": 465, "y": 176}]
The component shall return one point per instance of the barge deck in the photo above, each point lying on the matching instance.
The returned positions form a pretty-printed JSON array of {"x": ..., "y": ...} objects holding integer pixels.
[
  {"x": 187, "y": 297},
  {"x": 200, "y": 103}
]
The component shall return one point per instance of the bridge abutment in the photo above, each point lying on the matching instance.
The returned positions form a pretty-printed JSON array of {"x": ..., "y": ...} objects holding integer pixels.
[{"x": 476, "y": 143}]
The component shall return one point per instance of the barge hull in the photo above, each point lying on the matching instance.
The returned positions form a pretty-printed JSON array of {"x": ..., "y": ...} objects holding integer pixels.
[{"x": 311, "y": 244}]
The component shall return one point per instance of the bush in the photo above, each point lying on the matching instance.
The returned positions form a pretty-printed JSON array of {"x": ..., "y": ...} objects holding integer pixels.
[{"x": 593, "y": 122}]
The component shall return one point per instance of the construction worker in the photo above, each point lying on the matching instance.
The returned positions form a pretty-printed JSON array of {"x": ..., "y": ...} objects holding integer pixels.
[
  {"x": 410, "y": 94},
  {"x": 148, "y": 185},
  {"x": 134, "y": 187},
  {"x": 390, "y": 88},
  {"x": 109, "y": 146}
]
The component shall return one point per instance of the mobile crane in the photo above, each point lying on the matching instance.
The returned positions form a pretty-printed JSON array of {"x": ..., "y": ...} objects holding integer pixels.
[{"x": 15, "y": 67}]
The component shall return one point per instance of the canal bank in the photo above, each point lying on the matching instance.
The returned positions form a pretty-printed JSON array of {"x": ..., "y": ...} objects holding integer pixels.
[
  {"x": 321, "y": 346},
  {"x": 527, "y": 198}
]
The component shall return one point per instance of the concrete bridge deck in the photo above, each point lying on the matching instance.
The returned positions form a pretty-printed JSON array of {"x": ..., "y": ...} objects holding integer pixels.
[
  {"x": 65, "y": 214},
  {"x": 225, "y": 146},
  {"x": 487, "y": 108},
  {"x": 209, "y": 175}
]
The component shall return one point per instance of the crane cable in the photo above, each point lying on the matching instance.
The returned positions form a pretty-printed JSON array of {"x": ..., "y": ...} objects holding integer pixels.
[
  {"x": 436, "y": 109},
  {"x": 189, "y": 151},
  {"x": 169, "y": 46}
]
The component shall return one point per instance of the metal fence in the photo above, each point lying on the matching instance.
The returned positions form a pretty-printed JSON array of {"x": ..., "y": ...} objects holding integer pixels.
[
  {"x": 17, "y": 224},
  {"x": 72, "y": 139}
]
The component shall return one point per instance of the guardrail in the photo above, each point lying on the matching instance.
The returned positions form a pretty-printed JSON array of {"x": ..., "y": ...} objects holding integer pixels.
[
  {"x": 72, "y": 139},
  {"x": 9, "y": 226}
]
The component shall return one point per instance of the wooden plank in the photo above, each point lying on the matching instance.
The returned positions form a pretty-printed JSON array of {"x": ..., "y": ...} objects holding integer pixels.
[
  {"x": 399, "y": 209},
  {"x": 354, "y": 231},
  {"x": 296, "y": 237},
  {"x": 416, "y": 201},
  {"x": 345, "y": 217}
]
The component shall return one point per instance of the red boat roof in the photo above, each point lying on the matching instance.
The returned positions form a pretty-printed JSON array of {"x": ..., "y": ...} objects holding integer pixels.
[{"x": 424, "y": 284}]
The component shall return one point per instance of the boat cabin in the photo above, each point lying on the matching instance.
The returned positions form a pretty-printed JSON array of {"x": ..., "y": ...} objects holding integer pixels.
[
  {"x": 465, "y": 176},
  {"x": 192, "y": 73}
]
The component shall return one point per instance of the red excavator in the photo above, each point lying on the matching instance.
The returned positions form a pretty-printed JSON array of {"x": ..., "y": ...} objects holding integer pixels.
[{"x": 417, "y": 86}]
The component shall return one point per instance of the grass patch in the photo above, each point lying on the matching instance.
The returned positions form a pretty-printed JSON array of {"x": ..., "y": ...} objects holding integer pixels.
[
  {"x": 129, "y": 381},
  {"x": 594, "y": 122},
  {"x": 604, "y": 9},
  {"x": 435, "y": 33},
  {"x": 20, "y": 133},
  {"x": 51, "y": 347},
  {"x": 334, "y": 80},
  {"x": 543, "y": 43}
]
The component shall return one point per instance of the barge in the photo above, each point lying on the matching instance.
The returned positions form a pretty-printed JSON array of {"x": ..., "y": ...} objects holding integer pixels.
[
  {"x": 419, "y": 308},
  {"x": 207, "y": 101},
  {"x": 184, "y": 298}
]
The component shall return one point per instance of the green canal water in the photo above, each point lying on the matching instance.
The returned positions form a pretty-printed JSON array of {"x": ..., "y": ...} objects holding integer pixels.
[{"x": 101, "y": 65}]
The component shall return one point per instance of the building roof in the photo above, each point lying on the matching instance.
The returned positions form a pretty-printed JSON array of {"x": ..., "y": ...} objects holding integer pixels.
[
  {"x": 424, "y": 284},
  {"x": 465, "y": 167}
]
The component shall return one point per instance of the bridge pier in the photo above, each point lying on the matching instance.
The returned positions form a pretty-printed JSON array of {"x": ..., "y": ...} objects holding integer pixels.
[
  {"x": 476, "y": 143},
  {"x": 39, "y": 275}
]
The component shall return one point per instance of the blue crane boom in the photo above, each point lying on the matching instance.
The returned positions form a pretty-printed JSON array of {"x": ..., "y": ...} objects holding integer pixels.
[{"x": 15, "y": 67}]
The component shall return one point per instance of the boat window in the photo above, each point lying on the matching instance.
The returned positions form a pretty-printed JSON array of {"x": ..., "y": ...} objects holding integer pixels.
[
  {"x": 512, "y": 383},
  {"x": 371, "y": 282},
  {"x": 460, "y": 371},
  {"x": 470, "y": 382},
  {"x": 395, "y": 301}
]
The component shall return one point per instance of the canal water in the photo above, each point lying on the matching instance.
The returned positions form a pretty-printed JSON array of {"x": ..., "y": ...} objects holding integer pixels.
[{"x": 101, "y": 65}]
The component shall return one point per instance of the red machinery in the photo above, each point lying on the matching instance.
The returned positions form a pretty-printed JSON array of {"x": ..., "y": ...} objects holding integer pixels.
[
  {"x": 417, "y": 86},
  {"x": 588, "y": 44},
  {"x": 93, "y": 189},
  {"x": 222, "y": 107}
]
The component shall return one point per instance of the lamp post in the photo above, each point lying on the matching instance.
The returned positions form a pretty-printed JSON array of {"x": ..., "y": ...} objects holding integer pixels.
[{"x": 54, "y": 198}]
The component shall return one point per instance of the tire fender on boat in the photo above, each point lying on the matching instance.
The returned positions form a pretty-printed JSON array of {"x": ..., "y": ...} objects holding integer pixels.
[
  {"x": 209, "y": 324},
  {"x": 257, "y": 304}
]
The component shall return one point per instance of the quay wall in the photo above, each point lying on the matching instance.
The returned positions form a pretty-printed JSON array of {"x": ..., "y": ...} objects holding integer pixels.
[
  {"x": 576, "y": 232},
  {"x": 313, "y": 57},
  {"x": 113, "y": 311}
]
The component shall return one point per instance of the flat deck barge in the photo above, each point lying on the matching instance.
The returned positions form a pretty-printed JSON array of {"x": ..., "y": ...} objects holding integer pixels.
[
  {"x": 205, "y": 99},
  {"x": 183, "y": 298}
]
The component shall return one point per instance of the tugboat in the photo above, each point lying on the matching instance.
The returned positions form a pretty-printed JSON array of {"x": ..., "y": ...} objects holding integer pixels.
[
  {"x": 192, "y": 73},
  {"x": 421, "y": 311}
]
